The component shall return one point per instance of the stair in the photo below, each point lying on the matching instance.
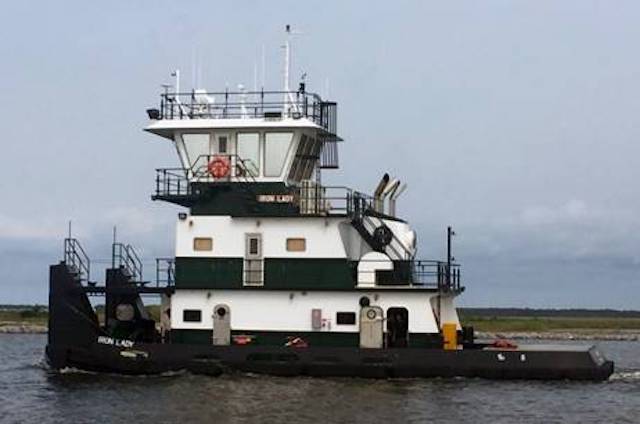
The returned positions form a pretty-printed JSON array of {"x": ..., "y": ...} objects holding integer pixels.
[{"x": 366, "y": 226}]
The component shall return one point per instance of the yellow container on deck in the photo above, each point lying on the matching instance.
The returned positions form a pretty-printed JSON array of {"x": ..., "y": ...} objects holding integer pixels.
[{"x": 450, "y": 335}]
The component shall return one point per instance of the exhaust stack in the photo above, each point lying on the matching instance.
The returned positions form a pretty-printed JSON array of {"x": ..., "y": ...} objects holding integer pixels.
[
  {"x": 398, "y": 190},
  {"x": 378, "y": 202},
  {"x": 388, "y": 192}
]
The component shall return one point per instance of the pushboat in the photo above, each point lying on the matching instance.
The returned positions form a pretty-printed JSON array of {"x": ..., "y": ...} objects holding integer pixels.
[{"x": 275, "y": 272}]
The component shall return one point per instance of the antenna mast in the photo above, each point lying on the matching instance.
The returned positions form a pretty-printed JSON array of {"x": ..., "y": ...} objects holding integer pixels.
[{"x": 287, "y": 64}]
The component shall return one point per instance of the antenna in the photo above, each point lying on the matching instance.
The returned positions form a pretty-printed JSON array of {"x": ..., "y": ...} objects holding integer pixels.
[
  {"x": 243, "y": 101},
  {"x": 176, "y": 96},
  {"x": 176, "y": 74},
  {"x": 255, "y": 77},
  {"x": 69, "y": 229},
  {"x": 263, "y": 67},
  {"x": 288, "y": 97},
  {"x": 287, "y": 65},
  {"x": 113, "y": 249}
]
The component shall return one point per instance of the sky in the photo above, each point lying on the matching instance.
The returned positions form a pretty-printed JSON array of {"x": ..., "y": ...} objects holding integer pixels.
[{"x": 515, "y": 122}]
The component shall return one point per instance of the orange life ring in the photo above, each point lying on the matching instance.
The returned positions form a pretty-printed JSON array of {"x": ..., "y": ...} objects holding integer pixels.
[{"x": 219, "y": 167}]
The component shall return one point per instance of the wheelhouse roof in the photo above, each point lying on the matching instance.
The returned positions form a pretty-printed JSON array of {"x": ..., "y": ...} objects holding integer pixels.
[{"x": 167, "y": 127}]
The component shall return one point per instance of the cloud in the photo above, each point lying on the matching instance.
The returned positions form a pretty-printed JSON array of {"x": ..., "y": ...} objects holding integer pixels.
[
  {"x": 16, "y": 228},
  {"x": 570, "y": 231}
]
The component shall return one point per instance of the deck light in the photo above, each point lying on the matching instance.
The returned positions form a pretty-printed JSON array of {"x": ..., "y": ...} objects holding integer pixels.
[
  {"x": 153, "y": 114},
  {"x": 182, "y": 216}
]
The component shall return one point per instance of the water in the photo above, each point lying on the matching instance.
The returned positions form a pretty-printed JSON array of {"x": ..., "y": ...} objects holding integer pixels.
[{"x": 29, "y": 393}]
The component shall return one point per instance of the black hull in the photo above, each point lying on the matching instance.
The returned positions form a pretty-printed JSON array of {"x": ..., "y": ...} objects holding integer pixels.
[
  {"x": 156, "y": 358},
  {"x": 77, "y": 340}
]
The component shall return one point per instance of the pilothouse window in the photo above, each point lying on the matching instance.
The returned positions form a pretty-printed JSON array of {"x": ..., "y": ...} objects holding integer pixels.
[
  {"x": 276, "y": 146},
  {"x": 249, "y": 152},
  {"x": 197, "y": 147}
]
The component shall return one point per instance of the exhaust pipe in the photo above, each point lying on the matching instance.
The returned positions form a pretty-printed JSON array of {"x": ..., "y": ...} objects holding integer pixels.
[
  {"x": 398, "y": 190},
  {"x": 388, "y": 191},
  {"x": 378, "y": 204}
]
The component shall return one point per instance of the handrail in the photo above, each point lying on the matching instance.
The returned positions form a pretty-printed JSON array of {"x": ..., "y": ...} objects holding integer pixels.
[
  {"x": 77, "y": 259},
  {"x": 165, "y": 272},
  {"x": 124, "y": 256},
  {"x": 416, "y": 273},
  {"x": 406, "y": 252},
  {"x": 248, "y": 104}
]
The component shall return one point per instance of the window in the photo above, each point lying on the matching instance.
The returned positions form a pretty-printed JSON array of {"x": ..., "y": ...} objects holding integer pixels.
[
  {"x": 222, "y": 144},
  {"x": 197, "y": 148},
  {"x": 307, "y": 155},
  {"x": 248, "y": 149},
  {"x": 253, "y": 246},
  {"x": 192, "y": 315},
  {"x": 203, "y": 244},
  {"x": 296, "y": 244},
  {"x": 276, "y": 146},
  {"x": 346, "y": 318}
]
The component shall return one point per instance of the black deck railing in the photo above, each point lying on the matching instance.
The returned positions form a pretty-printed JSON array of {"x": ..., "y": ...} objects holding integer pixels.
[
  {"x": 165, "y": 272},
  {"x": 416, "y": 274},
  {"x": 200, "y": 104},
  {"x": 76, "y": 258},
  {"x": 427, "y": 274},
  {"x": 312, "y": 199}
]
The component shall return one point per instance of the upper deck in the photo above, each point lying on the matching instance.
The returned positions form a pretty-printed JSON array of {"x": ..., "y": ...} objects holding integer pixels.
[{"x": 243, "y": 109}]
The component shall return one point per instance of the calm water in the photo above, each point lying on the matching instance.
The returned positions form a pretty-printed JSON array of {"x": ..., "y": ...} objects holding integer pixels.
[{"x": 31, "y": 394}]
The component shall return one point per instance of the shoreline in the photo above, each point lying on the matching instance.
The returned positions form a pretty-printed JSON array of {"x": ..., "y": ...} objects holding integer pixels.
[{"x": 566, "y": 335}]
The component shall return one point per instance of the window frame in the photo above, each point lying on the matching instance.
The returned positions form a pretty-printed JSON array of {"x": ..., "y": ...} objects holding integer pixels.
[
  {"x": 293, "y": 240},
  {"x": 342, "y": 314},
  {"x": 186, "y": 312},
  {"x": 203, "y": 239},
  {"x": 283, "y": 164}
]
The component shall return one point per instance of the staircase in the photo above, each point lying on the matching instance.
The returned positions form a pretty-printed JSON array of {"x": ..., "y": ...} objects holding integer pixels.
[
  {"x": 376, "y": 233},
  {"x": 125, "y": 257}
]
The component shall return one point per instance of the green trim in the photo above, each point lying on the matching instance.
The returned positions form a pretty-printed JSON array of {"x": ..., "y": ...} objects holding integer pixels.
[
  {"x": 237, "y": 199},
  {"x": 313, "y": 338},
  {"x": 279, "y": 274},
  {"x": 208, "y": 273},
  {"x": 309, "y": 274}
]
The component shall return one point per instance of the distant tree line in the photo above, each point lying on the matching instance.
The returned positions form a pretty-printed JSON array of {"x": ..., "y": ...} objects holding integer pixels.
[{"x": 560, "y": 313}]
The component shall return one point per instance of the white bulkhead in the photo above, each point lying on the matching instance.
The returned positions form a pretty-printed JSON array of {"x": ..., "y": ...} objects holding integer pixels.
[{"x": 283, "y": 310}]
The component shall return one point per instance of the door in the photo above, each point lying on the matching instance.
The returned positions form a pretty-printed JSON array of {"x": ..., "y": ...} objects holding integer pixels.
[
  {"x": 221, "y": 325},
  {"x": 397, "y": 327},
  {"x": 253, "y": 261},
  {"x": 371, "y": 319}
]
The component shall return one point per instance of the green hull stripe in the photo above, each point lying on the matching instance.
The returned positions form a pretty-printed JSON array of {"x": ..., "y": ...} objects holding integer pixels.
[
  {"x": 313, "y": 338},
  {"x": 209, "y": 273},
  {"x": 304, "y": 274},
  {"x": 279, "y": 273}
]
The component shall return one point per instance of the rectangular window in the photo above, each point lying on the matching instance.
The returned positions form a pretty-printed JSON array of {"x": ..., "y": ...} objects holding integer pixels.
[
  {"x": 192, "y": 315},
  {"x": 248, "y": 149},
  {"x": 346, "y": 318},
  {"x": 253, "y": 246},
  {"x": 198, "y": 148},
  {"x": 296, "y": 244},
  {"x": 222, "y": 144},
  {"x": 276, "y": 146},
  {"x": 203, "y": 244}
]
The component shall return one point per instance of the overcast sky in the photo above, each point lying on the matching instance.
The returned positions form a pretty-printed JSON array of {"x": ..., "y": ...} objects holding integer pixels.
[{"x": 514, "y": 122}]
